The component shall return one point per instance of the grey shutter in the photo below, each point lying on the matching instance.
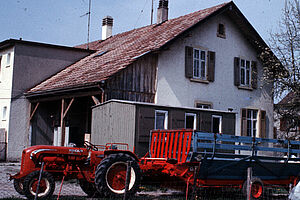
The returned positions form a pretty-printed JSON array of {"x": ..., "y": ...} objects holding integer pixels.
[
  {"x": 243, "y": 122},
  {"x": 189, "y": 62},
  {"x": 254, "y": 74},
  {"x": 236, "y": 71},
  {"x": 211, "y": 66}
]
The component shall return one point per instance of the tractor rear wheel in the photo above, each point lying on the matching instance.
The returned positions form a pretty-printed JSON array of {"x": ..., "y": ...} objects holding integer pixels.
[
  {"x": 110, "y": 175},
  {"x": 88, "y": 188},
  {"x": 46, "y": 187},
  {"x": 18, "y": 185}
]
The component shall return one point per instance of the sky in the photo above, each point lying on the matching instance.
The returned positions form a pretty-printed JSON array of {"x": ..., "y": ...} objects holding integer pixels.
[{"x": 64, "y": 22}]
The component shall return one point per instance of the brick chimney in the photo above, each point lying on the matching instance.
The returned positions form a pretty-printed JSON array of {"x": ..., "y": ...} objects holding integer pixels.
[
  {"x": 162, "y": 11},
  {"x": 107, "y": 24}
]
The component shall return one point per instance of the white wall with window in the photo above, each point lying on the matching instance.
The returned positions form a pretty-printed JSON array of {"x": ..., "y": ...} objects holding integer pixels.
[
  {"x": 178, "y": 85},
  {"x": 161, "y": 119},
  {"x": 6, "y": 79}
]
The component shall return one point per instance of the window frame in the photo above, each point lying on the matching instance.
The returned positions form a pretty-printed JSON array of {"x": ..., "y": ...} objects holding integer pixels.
[
  {"x": 165, "y": 112},
  {"x": 219, "y": 34},
  {"x": 200, "y": 66},
  {"x": 195, "y": 120},
  {"x": 203, "y": 103},
  {"x": 246, "y": 75},
  {"x": 220, "y": 124},
  {"x": 252, "y": 119}
]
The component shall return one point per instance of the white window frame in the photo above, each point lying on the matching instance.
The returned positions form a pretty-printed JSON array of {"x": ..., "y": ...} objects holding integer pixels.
[
  {"x": 220, "y": 124},
  {"x": 202, "y": 63},
  {"x": 246, "y": 71},
  {"x": 165, "y": 112},
  {"x": 253, "y": 120},
  {"x": 195, "y": 119}
]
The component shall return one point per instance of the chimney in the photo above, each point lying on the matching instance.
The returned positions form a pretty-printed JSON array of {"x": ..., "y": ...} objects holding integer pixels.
[
  {"x": 107, "y": 24},
  {"x": 162, "y": 11}
]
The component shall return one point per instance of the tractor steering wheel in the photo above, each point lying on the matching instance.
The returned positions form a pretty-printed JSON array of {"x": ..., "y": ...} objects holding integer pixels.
[{"x": 90, "y": 146}]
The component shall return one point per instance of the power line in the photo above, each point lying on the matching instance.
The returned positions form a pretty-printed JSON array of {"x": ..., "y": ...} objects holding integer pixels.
[{"x": 140, "y": 14}]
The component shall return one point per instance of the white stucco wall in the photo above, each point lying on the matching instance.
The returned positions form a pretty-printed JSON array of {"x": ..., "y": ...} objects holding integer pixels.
[
  {"x": 6, "y": 85},
  {"x": 173, "y": 88}
]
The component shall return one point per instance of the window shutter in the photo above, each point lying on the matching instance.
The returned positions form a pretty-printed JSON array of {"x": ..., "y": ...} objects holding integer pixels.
[
  {"x": 263, "y": 124},
  {"x": 236, "y": 71},
  {"x": 243, "y": 122},
  {"x": 254, "y": 74},
  {"x": 211, "y": 66},
  {"x": 189, "y": 62}
]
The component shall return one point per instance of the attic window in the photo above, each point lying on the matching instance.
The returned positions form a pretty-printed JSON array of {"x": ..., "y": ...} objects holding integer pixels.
[
  {"x": 221, "y": 31},
  {"x": 101, "y": 53}
]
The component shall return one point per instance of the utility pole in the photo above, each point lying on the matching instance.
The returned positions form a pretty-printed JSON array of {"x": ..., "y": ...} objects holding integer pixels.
[
  {"x": 89, "y": 20},
  {"x": 152, "y": 13}
]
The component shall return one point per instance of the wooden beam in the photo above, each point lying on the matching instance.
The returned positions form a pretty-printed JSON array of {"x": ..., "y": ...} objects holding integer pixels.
[
  {"x": 33, "y": 112},
  {"x": 66, "y": 111},
  {"x": 62, "y": 122},
  {"x": 63, "y": 96},
  {"x": 96, "y": 101}
]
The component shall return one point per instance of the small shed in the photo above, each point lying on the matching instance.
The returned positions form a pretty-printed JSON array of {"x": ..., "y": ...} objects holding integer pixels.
[{"x": 131, "y": 122}]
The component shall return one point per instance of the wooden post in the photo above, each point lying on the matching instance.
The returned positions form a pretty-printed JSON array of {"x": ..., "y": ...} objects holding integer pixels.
[
  {"x": 127, "y": 181},
  {"x": 249, "y": 178},
  {"x": 62, "y": 123}
]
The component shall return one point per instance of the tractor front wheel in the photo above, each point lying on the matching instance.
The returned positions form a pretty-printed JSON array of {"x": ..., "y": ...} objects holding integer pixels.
[
  {"x": 110, "y": 175},
  {"x": 46, "y": 187},
  {"x": 18, "y": 185}
]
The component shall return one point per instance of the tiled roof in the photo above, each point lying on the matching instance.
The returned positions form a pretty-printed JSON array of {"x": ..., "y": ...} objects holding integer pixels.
[{"x": 118, "y": 51}]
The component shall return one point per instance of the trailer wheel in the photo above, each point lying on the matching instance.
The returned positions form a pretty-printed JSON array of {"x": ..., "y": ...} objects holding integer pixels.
[
  {"x": 88, "y": 188},
  {"x": 46, "y": 187},
  {"x": 257, "y": 188},
  {"x": 110, "y": 175},
  {"x": 18, "y": 185}
]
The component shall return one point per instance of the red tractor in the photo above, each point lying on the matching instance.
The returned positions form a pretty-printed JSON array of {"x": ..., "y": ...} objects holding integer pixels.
[
  {"x": 191, "y": 158},
  {"x": 101, "y": 170}
]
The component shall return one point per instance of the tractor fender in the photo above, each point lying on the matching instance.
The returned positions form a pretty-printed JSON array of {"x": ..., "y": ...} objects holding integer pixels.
[{"x": 115, "y": 151}]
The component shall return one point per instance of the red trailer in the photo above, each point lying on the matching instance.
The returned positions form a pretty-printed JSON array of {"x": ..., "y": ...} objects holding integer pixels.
[{"x": 193, "y": 158}]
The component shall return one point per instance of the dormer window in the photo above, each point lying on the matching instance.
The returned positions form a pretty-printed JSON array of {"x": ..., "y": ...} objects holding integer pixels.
[{"x": 221, "y": 31}]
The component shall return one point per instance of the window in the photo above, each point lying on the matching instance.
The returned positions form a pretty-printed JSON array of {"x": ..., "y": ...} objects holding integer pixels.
[
  {"x": 245, "y": 73},
  {"x": 199, "y": 65},
  {"x": 190, "y": 121},
  {"x": 161, "y": 119},
  {"x": 4, "y": 113},
  {"x": 204, "y": 105},
  {"x": 221, "y": 31},
  {"x": 8, "y": 59},
  {"x": 216, "y": 126},
  {"x": 253, "y": 123}
]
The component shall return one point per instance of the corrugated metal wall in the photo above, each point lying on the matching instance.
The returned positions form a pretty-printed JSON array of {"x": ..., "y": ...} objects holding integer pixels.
[{"x": 114, "y": 122}]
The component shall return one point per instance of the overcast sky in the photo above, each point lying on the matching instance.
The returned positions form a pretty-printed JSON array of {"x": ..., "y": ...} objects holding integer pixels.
[{"x": 64, "y": 22}]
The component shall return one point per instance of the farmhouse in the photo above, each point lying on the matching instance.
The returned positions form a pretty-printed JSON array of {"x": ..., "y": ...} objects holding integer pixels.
[{"x": 207, "y": 60}]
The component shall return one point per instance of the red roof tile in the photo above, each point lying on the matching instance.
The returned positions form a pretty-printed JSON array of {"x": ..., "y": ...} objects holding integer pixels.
[{"x": 119, "y": 51}]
